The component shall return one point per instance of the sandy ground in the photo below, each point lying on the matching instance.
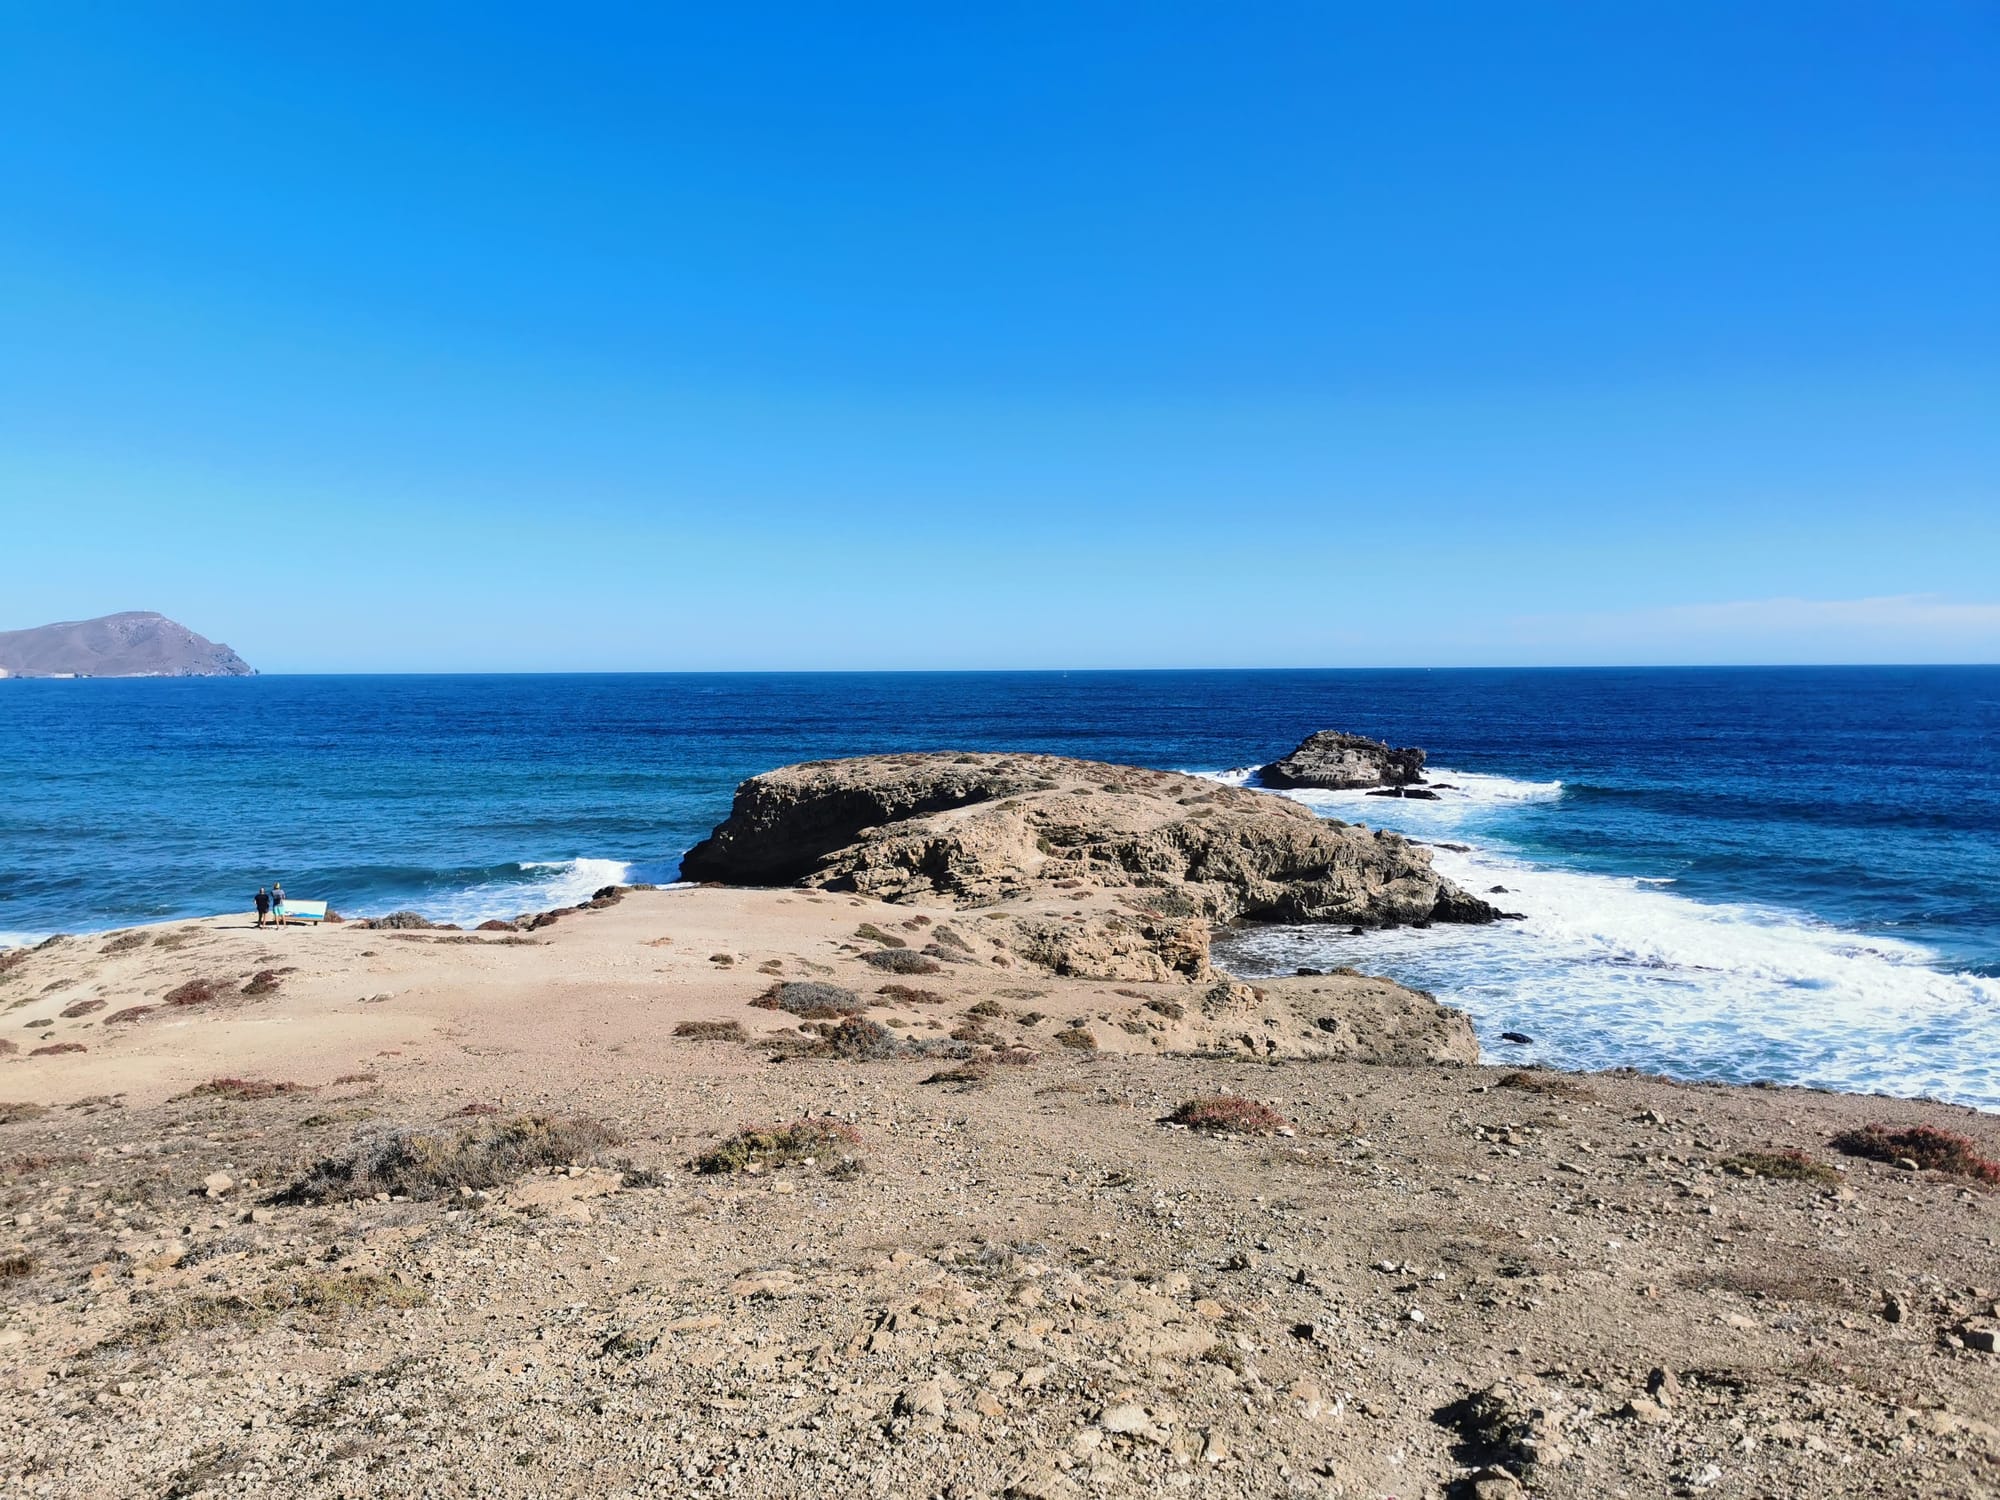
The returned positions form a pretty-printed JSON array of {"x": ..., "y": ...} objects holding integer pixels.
[{"x": 1015, "y": 1280}]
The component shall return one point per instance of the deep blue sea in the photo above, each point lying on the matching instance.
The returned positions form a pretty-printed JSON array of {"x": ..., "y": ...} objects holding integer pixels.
[{"x": 1785, "y": 873}]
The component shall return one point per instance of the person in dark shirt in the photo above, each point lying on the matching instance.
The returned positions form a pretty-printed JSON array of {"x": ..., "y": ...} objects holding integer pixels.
[{"x": 263, "y": 905}]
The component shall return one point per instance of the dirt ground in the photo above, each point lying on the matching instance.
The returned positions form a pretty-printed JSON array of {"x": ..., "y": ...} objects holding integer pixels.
[{"x": 470, "y": 1251}]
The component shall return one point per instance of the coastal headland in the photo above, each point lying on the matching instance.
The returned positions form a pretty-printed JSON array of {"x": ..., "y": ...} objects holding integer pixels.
[{"x": 918, "y": 1148}]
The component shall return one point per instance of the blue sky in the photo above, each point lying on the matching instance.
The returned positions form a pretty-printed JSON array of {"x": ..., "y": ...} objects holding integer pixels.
[{"x": 485, "y": 337}]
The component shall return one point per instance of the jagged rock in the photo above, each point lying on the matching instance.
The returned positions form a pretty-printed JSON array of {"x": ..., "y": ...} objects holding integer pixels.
[
  {"x": 988, "y": 830},
  {"x": 1333, "y": 761}
]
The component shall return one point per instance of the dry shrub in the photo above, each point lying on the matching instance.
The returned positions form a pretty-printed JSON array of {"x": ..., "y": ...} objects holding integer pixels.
[
  {"x": 263, "y": 982},
  {"x": 7, "y": 1048},
  {"x": 907, "y": 994},
  {"x": 36, "y": 1163},
  {"x": 56, "y": 1048},
  {"x": 354, "y": 1078},
  {"x": 1930, "y": 1148},
  {"x": 128, "y": 1015},
  {"x": 712, "y": 1031},
  {"x": 474, "y": 1111},
  {"x": 124, "y": 942},
  {"x": 817, "y": 1141},
  {"x": 429, "y": 1164},
  {"x": 78, "y": 1008},
  {"x": 869, "y": 932},
  {"x": 17, "y": 1264},
  {"x": 1077, "y": 1038},
  {"x": 1011, "y": 1057},
  {"x": 722, "y": 960},
  {"x": 1229, "y": 1113},
  {"x": 984, "y": 1008},
  {"x": 1550, "y": 1085},
  {"x": 946, "y": 937},
  {"x": 813, "y": 999},
  {"x": 1785, "y": 1166},
  {"x": 244, "y": 1088},
  {"x": 902, "y": 961},
  {"x": 197, "y": 992},
  {"x": 330, "y": 1296},
  {"x": 13, "y": 1113},
  {"x": 860, "y": 1040},
  {"x": 967, "y": 1073}
]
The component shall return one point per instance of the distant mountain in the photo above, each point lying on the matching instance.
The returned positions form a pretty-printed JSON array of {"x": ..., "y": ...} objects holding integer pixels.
[{"x": 138, "y": 643}]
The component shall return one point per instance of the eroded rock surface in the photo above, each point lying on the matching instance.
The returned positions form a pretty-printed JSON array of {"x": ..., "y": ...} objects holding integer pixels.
[
  {"x": 983, "y": 830},
  {"x": 1337, "y": 762}
]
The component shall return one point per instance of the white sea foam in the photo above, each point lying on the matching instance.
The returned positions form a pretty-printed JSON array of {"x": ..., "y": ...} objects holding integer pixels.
[
  {"x": 540, "y": 885},
  {"x": 1607, "y": 971},
  {"x": 20, "y": 939},
  {"x": 1461, "y": 795}
]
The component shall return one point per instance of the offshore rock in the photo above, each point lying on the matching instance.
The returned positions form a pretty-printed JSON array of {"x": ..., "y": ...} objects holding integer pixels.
[
  {"x": 1102, "y": 869},
  {"x": 1336, "y": 762}
]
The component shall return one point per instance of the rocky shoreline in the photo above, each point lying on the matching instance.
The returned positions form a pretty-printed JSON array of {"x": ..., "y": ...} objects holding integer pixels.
[{"x": 943, "y": 1161}]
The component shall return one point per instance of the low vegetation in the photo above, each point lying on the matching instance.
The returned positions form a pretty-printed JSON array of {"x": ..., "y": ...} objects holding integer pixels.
[
  {"x": 902, "y": 961},
  {"x": 1549, "y": 1085},
  {"x": 55, "y": 1049},
  {"x": 329, "y": 1297},
  {"x": 869, "y": 932},
  {"x": 907, "y": 994},
  {"x": 1785, "y": 1166},
  {"x": 197, "y": 992},
  {"x": 812, "y": 999},
  {"x": 712, "y": 1031},
  {"x": 436, "y": 1164},
  {"x": 827, "y": 1143},
  {"x": 244, "y": 1088},
  {"x": 13, "y": 1112},
  {"x": 1230, "y": 1114},
  {"x": 1929, "y": 1148}
]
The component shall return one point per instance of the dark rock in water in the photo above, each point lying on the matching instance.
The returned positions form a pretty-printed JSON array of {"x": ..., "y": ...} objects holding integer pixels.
[
  {"x": 1308, "y": 973},
  {"x": 1454, "y": 848},
  {"x": 1498, "y": 890},
  {"x": 1422, "y": 793},
  {"x": 1332, "y": 761},
  {"x": 1518, "y": 1038},
  {"x": 1386, "y": 791},
  {"x": 495, "y": 924},
  {"x": 402, "y": 920},
  {"x": 1356, "y": 931}
]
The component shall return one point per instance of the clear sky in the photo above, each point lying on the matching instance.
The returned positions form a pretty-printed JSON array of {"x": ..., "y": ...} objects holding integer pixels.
[{"x": 406, "y": 336}]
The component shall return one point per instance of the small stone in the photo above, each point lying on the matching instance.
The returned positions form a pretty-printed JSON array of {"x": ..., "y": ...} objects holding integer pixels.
[
  {"x": 1663, "y": 1387},
  {"x": 1641, "y": 1409},
  {"x": 1892, "y": 1308},
  {"x": 923, "y": 1400},
  {"x": 217, "y": 1184},
  {"x": 1126, "y": 1417},
  {"x": 1984, "y": 1340}
]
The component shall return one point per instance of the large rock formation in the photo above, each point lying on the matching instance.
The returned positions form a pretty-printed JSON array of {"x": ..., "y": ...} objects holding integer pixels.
[
  {"x": 138, "y": 643},
  {"x": 1098, "y": 869},
  {"x": 1337, "y": 762}
]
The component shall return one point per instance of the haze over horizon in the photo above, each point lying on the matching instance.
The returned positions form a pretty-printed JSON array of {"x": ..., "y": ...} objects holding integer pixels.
[{"x": 450, "y": 338}]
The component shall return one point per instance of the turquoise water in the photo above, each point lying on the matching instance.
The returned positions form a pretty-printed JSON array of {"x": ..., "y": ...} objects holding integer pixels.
[{"x": 1746, "y": 873}]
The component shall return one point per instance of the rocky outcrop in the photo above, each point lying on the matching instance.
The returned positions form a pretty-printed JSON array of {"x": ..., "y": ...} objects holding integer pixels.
[
  {"x": 138, "y": 643},
  {"x": 1336, "y": 762},
  {"x": 1134, "y": 863}
]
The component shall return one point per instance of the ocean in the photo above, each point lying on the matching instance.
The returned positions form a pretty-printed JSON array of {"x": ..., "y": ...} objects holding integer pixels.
[{"x": 1784, "y": 874}]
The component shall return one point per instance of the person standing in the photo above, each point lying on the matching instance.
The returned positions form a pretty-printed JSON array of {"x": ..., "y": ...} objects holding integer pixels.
[
  {"x": 278, "y": 902},
  {"x": 263, "y": 905}
]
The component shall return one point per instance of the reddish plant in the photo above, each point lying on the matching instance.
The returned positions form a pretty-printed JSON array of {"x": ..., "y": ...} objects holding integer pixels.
[
  {"x": 1930, "y": 1148},
  {"x": 1229, "y": 1114}
]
